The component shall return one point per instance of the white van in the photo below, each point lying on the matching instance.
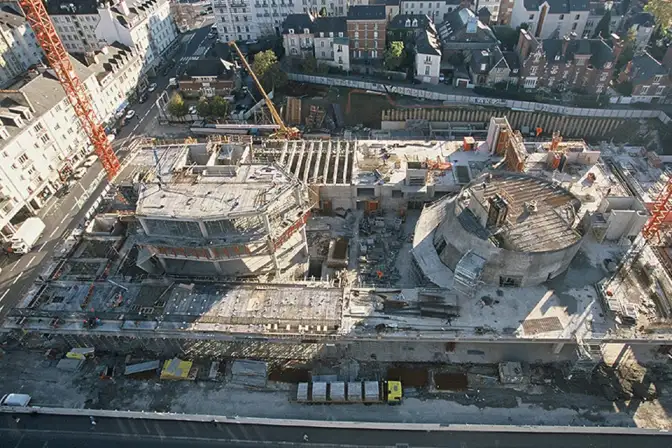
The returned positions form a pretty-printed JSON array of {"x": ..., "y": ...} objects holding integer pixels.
[{"x": 16, "y": 400}]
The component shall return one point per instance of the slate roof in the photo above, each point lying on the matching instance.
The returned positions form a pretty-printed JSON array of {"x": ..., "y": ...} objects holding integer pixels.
[
  {"x": 70, "y": 7},
  {"x": 386, "y": 2},
  {"x": 600, "y": 52},
  {"x": 331, "y": 25},
  {"x": 512, "y": 60},
  {"x": 644, "y": 19},
  {"x": 298, "y": 23},
  {"x": 208, "y": 67},
  {"x": 10, "y": 18},
  {"x": 454, "y": 28},
  {"x": 558, "y": 6},
  {"x": 367, "y": 12},
  {"x": 428, "y": 43},
  {"x": 399, "y": 21},
  {"x": 645, "y": 67},
  {"x": 492, "y": 58}
]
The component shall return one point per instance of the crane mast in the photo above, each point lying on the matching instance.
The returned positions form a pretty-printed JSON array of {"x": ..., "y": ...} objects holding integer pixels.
[
  {"x": 285, "y": 132},
  {"x": 59, "y": 61}
]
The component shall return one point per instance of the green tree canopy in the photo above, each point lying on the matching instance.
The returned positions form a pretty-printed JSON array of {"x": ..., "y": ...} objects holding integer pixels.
[
  {"x": 662, "y": 11},
  {"x": 323, "y": 11},
  {"x": 394, "y": 55},
  {"x": 203, "y": 108},
  {"x": 603, "y": 27},
  {"x": 176, "y": 106},
  {"x": 219, "y": 107},
  {"x": 268, "y": 70}
]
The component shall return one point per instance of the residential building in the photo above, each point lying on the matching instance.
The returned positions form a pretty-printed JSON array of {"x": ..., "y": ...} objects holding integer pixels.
[
  {"x": 488, "y": 67},
  {"x": 211, "y": 75},
  {"x": 651, "y": 81},
  {"x": 367, "y": 28},
  {"x": 87, "y": 25},
  {"x": 405, "y": 27},
  {"x": 493, "y": 8},
  {"x": 326, "y": 30},
  {"x": 298, "y": 35},
  {"x": 436, "y": 10},
  {"x": 41, "y": 140},
  {"x": 246, "y": 20},
  {"x": 463, "y": 31},
  {"x": 548, "y": 17},
  {"x": 18, "y": 47},
  {"x": 324, "y": 8},
  {"x": 392, "y": 7},
  {"x": 427, "y": 57},
  {"x": 505, "y": 12},
  {"x": 641, "y": 25},
  {"x": 667, "y": 59},
  {"x": 595, "y": 16},
  {"x": 582, "y": 65}
]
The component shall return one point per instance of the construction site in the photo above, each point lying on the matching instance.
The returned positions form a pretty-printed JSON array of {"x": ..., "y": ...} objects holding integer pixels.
[{"x": 461, "y": 251}]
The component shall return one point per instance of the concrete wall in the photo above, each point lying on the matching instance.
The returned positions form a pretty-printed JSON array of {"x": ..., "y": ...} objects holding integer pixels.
[{"x": 534, "y": 268}]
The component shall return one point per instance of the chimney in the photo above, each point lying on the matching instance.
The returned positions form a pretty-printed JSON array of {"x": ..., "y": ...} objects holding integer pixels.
[
  {"x": 524, "y": 42},
  {"x": 565, "y": 44},
  {"x": 90, "y": 58},
  {"x": 617, "y": 46},
  {"x": 123, "y": 8}
]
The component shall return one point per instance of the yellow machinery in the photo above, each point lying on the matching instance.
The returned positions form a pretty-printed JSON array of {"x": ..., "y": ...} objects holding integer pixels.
[{"x": 284, "y": 131}]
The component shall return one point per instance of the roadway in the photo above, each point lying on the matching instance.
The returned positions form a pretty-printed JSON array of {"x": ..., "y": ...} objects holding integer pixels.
[
  {"x": 61, "y": 215},
  {"x": 73, "y": 431}
]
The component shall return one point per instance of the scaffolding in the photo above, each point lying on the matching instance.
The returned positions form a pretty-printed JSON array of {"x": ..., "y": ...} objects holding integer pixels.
[{"x": 468, "y": 274}]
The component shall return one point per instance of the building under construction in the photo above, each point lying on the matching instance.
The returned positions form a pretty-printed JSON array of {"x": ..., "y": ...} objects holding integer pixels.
[{"x": 467, "y": 251}]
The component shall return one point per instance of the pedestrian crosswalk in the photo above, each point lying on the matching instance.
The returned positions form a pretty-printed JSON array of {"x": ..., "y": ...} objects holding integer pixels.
[{"x": 200, "y": 51}]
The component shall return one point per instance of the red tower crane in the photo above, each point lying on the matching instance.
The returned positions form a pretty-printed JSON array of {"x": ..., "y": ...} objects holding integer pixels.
[
  {"x": 661, "y": 209},
  {"x": 59, "y": 61}
]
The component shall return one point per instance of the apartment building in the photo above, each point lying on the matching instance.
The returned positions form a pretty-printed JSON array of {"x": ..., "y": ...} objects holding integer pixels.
[
  {"x": 87, "y": 25},
  {"x": 187, "y": 14},
  {"x": 651, "y": 81},
  {"x": 18, "y": 47},
  {"x": 583, "y": 65},
  {"x": 406, "y": 27},
  {"x": 427, "y": 56},
  {"x": 367, "y": 28},
  {"x": 436, "y": 10},
  {"x": 326, "y": 30},
  {"x": 40, "y": 141},
  {"x": 246, "y": 20},
  {"x": 298, "y": 35},
  {"x": 547, "y": 17}
]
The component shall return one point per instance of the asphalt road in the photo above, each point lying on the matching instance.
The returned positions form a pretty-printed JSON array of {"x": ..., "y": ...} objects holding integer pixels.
[
  {"x": 61, "y": 215},
  {"x": 53, "y": 431}
]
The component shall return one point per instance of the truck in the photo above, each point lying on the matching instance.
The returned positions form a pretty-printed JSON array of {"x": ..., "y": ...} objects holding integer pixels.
[
  {"x": 340, "y": 392},
  {"x": 28, "y": 235}
]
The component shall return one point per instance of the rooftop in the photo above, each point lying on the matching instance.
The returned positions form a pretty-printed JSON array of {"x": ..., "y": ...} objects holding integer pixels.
[
  {"x": 462, "y": 25},
  {"x": 419, "y": 21},
  {"x": 298, "y": 23},
  {"x": 10, "y": 18},
  {"x": 367, "y": 12},
  {"x": 558, "y": 6},
  {"x": 331, "y": 25},
  {"x": 598, "y": 49}
]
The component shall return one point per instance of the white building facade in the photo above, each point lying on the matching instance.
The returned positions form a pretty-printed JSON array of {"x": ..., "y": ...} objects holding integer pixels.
[
  {"x": 18, "y": 47},
  {"x": 435, "y": 10},
  {"x": 87, "y": 26},
  {"x": 546, "y": 17}
]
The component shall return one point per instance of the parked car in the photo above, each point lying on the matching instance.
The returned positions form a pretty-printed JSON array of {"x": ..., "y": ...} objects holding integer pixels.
[
  {"x": 79, "y": 173},
  {"x": 152, "y": 87},
  {"x": 192, "y": 110},
  {"x": 120, "y": 114},
  {"x": 90, "y": 161},
  {"x": 442, "y": 77},
  {"x": 130, "y": 114},
  {"x": 20, "y": 400}
]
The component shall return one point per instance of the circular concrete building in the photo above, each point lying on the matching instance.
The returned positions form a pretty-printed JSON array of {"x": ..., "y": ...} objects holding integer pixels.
[{"x": 509, "y": 229}]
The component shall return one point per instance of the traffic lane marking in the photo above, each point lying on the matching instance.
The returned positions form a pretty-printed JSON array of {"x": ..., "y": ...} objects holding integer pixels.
[{"x": 18, "y": 276}]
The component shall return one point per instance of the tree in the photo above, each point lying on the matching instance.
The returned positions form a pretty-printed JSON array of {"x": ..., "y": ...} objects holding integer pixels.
[
  {"x": 268, "y": 70},
  {"x": 203, "y": 108},
  {"x": 603, "y": 26},
  {"x": 507, "y": 36},
  {"x": 323, "y": 11},
  {"x": 176, "y": 106},
  {"x": 219, "y": 107},
  {"x": 626, "y": 54},
  {"x": 394, "y": 55},
  {"x": 662, "y": 11},
  {"x": 309, "y": 65}
]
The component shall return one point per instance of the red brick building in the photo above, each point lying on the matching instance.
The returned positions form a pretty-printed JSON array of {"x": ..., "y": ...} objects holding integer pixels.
[
  {"x": 367, "y": 28},
  {"x": 569, "y": 63}
]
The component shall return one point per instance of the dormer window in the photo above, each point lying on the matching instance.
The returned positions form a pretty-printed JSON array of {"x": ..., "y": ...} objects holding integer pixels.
[
  {"x": 331, "y": 34},
  {"x": 557, "y": 57},
  {"x": 415, "y": 22},
  {"x": 657, "y": 78},
  {"x": 291, "y": 31},
  {"x": 408, "y": 22},
  {"x": 484, "y": 67},
  {"x": 306, "y": 31},
  {"x": 340, "y": 34},
  {"x": 321, "y": 34}
]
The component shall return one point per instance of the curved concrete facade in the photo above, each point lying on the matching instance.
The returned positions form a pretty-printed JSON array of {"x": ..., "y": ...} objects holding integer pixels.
[{"x": 528, "y": 268}]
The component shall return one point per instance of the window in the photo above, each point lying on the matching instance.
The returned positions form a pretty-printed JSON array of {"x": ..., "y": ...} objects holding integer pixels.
[
  {"x": 291, "y": 31},
  {"x": 339, "y": 49},
  {"x": 657, "y": 79},
  {"x": 356, "y": 34},
  {"x": 600, "y": 88},
  {"x": 530, "y": 83},
  {"x": 356, "y": 44},
  {"x": 562, "y": 17},
  {"x": 531, "y": 17},
  {"x": 408, "y": 23},
  {"x": 375, "y": 44},
  {"x": 374, "y": 54},
  {"x": 607, "y": 65},
  {"x": 38, "y": 127},
  {"x": 644, "y": 90},
  {"x": 321, "y": 34},
  {"x": 580, "y": 62},
  {"x": 340, "y": 34},
  {"x": 375, "y": 34},
  {"x": 322, "y": 45},
  {"x": 554, "y": 70},
  {"x": 427, "y": 70},
  {"x": 306, "y": 31},
  {"x": 578, "y": 17},
  {"x": 574, "y": 26},
  {"x": 324, "y": 55},
  {"x": 603, "y": 76},
  {"x": 23, "y": 159},
  {"x": 45, "y": 138},
  {"x": 533, "y": 70},
  {"x": 331, "y": 34},
  {"x": 428, "y": 59},
  {"x": 660, "y": 90}
]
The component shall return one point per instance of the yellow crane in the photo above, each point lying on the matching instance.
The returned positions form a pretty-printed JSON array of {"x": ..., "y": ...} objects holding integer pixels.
[{"x": 284, "y": 131}]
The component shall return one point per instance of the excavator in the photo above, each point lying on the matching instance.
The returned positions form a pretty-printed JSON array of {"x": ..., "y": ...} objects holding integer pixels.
[{"x": 284, "y": 132}]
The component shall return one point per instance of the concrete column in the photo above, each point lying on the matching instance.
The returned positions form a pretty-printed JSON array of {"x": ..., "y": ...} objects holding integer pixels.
[
  {"x": 163, "y": 263},
  {"x": 204, "y": 231},
  {"x": 218, "y": 267},
  {"x": 305, "y": 240},
  {"x": 557, "y": 348},
  {"x": 144, "y": 226},
  {"x": 271, "y": 249}
]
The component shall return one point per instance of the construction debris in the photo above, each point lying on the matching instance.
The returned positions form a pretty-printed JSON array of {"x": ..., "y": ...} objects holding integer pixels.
[{"x": 249, "y": 373}]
